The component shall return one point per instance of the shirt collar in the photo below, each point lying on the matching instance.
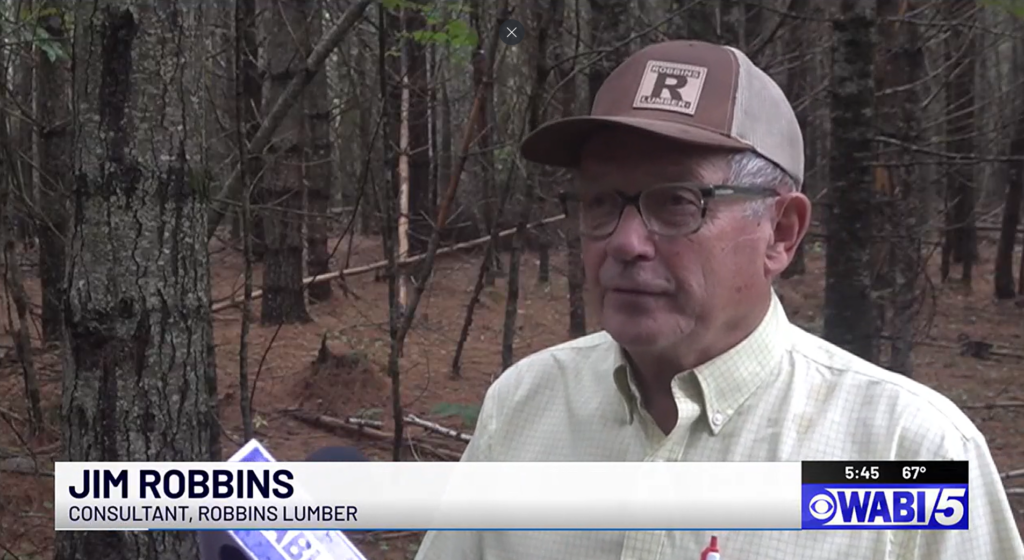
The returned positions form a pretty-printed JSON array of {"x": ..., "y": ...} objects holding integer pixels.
[{"x": 728, "y": 380}]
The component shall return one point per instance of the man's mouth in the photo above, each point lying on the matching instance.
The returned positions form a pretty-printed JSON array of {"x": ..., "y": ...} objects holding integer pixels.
[{"x": 635, "y": 292}]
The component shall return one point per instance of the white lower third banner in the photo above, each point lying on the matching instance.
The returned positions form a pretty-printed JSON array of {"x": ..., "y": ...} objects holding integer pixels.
[{"x": 425, "y": 496}]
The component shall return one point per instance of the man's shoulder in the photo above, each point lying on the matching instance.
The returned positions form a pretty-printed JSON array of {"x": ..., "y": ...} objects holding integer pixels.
[
  {"x": 551, "y": 365},
  {"x": 916, "y": 404}
]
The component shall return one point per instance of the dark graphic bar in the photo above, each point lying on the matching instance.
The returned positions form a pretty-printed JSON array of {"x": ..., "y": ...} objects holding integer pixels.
[{"x": 884, "y": 472}]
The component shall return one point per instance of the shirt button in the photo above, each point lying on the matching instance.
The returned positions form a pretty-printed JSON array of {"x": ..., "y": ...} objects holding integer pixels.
[{"x": 716, "y": 419}]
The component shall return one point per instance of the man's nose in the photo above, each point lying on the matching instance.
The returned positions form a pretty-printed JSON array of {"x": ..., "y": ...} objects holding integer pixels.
[{"x": 630, "y": 240}]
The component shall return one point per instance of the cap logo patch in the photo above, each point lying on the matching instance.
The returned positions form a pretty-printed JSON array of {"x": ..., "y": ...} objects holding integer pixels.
[{"x": 670, "y": 86}]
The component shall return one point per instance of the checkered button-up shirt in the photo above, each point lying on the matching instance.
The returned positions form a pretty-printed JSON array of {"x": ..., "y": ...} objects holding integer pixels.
[{"x": 781, "y": 395}]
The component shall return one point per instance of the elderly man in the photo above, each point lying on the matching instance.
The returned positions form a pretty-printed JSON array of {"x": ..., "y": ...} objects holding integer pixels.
[{"x": 689, "y": 173}]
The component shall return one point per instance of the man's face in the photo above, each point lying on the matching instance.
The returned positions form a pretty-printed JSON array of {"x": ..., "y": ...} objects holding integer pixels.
[{"x": 653, "y": 292}]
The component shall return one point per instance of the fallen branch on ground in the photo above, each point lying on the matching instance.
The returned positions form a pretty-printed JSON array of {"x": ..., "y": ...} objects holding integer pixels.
[
  {"x": 350, "y": 422},
  {"x": 365, "y": 422},
  {"x": 377, "y": 536},
  {"x": 1012, "y": 474},
  {"x": 331, "y": 423},
  {"x": 23, "y": 465},
  {"x": 1015, "y": 491},
  {"x": 222, "y": 305},
  {"x": 47, "y": 449},
  {"x": 992, "y": 351},
  {"x": 389, "y": 535},
  {"x": 1004, "y": 404},
  {"x": 437, "y": 428},
  {"x": 418, "y": 446},
  {"x": 10, "y": 414}
]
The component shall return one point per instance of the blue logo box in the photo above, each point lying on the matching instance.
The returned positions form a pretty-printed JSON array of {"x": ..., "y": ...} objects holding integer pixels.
[{"x": 885, "y": 506}]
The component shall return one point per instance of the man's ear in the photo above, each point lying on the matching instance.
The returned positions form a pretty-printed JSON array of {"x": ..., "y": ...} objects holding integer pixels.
[{"x": 792, "y": 218}]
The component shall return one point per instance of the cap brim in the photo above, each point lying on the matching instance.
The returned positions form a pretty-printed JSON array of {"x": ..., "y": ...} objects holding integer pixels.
[{"x": 560, "y": 142}]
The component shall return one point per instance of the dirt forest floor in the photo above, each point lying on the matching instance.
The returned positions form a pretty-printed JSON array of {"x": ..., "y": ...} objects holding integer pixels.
[{"x": 355, "y": 385}]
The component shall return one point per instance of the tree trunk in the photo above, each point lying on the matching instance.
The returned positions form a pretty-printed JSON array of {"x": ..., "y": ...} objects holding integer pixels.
[
  {"x": 849, "y": 307},
  {"x": 817, "y": 136},
  {"x": 30, "y": 215},
  {"x": 899, "y": 69},
  {"x": 387, "y": 29},
  {"x": 797, "y": 86},
  {"x": 248, "y": 72},
  {"x": 1004, "y": 285},
  {"x": 610, "y": 26},
  {"x": 1020, "y": 276},
  {"x": 566, "y": 108},
  {"x": 218, "y": 99},
  {"x": 962, "y": 238},
  {"x": 403, "y": 177},
  {"x": 541, "y": 62},
  {"x": 319, "y": 173},
  {"x": 696, "y": 22},
  {"x": 4, "y": 141},
  {"x": 290, "y": 96},
  {"x": 542, "y": 16},
  {"x": 22, "y": 336},
  {"x": 482, "y": 165},
  {"x": 421, "y": 210},
  {"x": 55, "y": 144},
  {"x": 432, "y": 81},
  {"x": 365, "y": 121},
  {"x": 393, "y": 107},
  {"x": 732, "y": 30},
  {"x": 543, "y": 237},
  {"x": 474, "y": 300},
  {"x": 754, "y": 27},
  {"x": 284, "y": 298},
  {"x": 14, "y": 289},
  {"x": 137, "y": 379},
  {"x": 444, "y": 140},
  {"x": 241, "y": 134}
]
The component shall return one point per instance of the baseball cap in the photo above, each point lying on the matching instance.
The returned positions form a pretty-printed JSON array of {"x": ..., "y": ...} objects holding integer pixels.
[{"x": 689, "y": 92}]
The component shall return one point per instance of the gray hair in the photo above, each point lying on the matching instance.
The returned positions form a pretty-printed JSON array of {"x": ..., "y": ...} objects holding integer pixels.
[{"x": 750, "y": 168}]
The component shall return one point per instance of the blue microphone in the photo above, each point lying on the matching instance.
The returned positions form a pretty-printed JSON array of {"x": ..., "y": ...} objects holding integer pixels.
[
  {"x": 336, "y": 455},
  {"x": 275, "y": 544}
]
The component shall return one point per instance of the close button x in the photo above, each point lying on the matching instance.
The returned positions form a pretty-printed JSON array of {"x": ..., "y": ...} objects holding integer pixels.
[{"x": 512, "y": 32}]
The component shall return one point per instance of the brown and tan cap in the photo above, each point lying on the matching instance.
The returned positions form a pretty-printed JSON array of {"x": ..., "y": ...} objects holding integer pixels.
[{"x": 688, "y": 91}]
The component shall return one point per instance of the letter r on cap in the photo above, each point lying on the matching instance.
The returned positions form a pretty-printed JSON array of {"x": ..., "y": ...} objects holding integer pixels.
[{"x": 667, "y": 82}]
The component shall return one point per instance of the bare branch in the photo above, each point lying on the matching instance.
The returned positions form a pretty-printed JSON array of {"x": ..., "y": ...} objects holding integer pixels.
[{"x": 284, "y": 104}]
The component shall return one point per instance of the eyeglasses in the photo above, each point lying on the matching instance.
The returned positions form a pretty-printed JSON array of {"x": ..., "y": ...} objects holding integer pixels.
[{"x": 671, "y": 210}]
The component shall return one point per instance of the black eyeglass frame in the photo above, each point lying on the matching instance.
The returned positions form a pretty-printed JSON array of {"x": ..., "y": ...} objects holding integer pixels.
[{"x": 706, "y": 191}]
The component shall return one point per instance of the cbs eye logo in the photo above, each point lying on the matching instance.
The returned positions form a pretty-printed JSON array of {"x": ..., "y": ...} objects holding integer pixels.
[{"x": 822, "y": 507}]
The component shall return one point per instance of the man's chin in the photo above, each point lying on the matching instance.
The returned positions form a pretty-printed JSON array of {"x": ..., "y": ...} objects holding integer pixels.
[{"x": 638, "y": 335}]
